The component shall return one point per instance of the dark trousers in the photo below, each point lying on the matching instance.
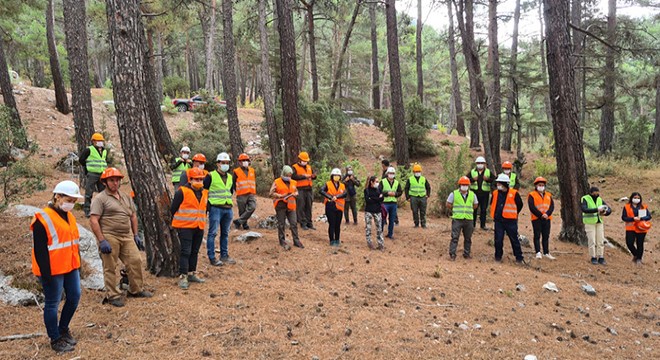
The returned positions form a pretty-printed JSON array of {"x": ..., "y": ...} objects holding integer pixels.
[
  {"x": 482, "y": 197},
  {"x": 246, "y": 206},
  {"x": 92, "y": 184},
  {"x": 334, "y": 221},
  {"x": 282, "y": 214},
  {"x": 418, "y": 206},
  {"x": 511, "y": 230},
  {"x": 456, "y": 227},
  {"x": 541, "y": 231},
  {"x": 191, "y": 240},
  {"x": 304, "y": 207},
  {"x": 635, "y": 242},
  {"x": 70, "y": 284},
  {"x": 351, "y": 205}
]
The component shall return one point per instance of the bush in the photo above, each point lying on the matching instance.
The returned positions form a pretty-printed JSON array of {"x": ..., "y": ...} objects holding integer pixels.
[
  {"x": 107, "y": 84},
  {"x": 21, "y": 178},
  {"x": 175, "y": 86},
  {"x": 455, "y": 165},
  {"x": 632, "y": 141},
  {"x": 167, "y": 106},
  {"x": 419, "y": 120},
  {"x": 10, "y": 137},
  {"x": 323, "y": 176}
]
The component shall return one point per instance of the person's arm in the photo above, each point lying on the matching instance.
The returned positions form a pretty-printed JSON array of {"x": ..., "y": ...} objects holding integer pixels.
[
  {"x": 134, "y": 223},
  {"x": 624, "y": 216},
  {"x": 295, "y": 175},
  {"x": 207, "y": 181},
  {"x": 40, "y": 240},
  {"x": 96, "y": 227},
  {"x": 586, "y": 209},
  {"x": 407, "y": 190},
  {"x": 176, "y": 202},
  {"x": 552, "y": 207},
  {"x": 356, "y": 181},
  {"x": 233, "y": 185},
  {"x": 532, "y": 207},
  {"x": 380, "y": 186},
  {"x": 343, "y": 195},
  {"x": 609, "y": 209},
  {"x": 399, "y": 191},
  {"x": 519, "y": 202},
  {"x": 175, "y": 163},
  {"x": 273, "y": 192},
  {"x": 184, "y": 178},
  {"x": 428, "y": 189},
  {"x": 475, "y": 203},
  {"x": 82, "y": 158},
  {"x": 450, "y": 201},
  {"x": 469, "y": 176},
  {"x": 324, "y": 192}
]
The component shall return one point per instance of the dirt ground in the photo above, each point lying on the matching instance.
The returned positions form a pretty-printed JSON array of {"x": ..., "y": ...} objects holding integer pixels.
[{"x": 408, "y": 302}]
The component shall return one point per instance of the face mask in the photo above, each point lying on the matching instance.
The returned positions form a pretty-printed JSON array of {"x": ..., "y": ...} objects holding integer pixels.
[
  {"x": 185, "y": 156},
  {"x": 595, "y": 196},
  {"x": 464, "y": 188},
  {"x": 540, "y": 188},
  {"x": 349, "y": 172},
  {"x": 303, "y": 163},
  {"x": 418, "y": 174},
  {"x": 67, "y": 206},
  {"x": 224, "y": 167},
  {"x": 636, "y": 201},
  {"x": 286, "y": 178},
  {"x": 336, "y": 178},
  {"x": 201, "y": 166},
  {"x": 390, "y": 176},
  {"x": 480, "y": 166},
  {"x": 507, "y": 172},
  {"x": 245, "y": 164},
  {"x": 197, "y": 185},
  {"x": 99, "y": 143},
  {"x": 376, "y": 184},
  {"x": 501, "y": 187}
]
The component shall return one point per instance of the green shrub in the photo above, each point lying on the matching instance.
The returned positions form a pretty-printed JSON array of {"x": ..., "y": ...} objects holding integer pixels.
[
  {"x": 20, "y": 179},
  {"x": 168, "y": 107},
  {"x": 601, "y": 167},
  {"x": 175, "y": 86},
  {"x": 419, "y": 120},
  {"x": 107, "y": 84},
  {"x": 455, "y": 165},
  {"x": 10, "y": 137},
  {"x": 546, "y": 167},
  {"x": 632, "y": 141},
  {"x": 264, "y": 177}
]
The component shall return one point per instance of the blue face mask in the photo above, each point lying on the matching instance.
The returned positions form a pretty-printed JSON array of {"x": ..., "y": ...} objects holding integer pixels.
[{"x": 286, "y": 178}]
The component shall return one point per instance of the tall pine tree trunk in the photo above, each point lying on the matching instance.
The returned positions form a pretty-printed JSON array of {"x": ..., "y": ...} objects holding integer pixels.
[
  {"x": 418, "y": 53},
  {"x": 309, "y": 6},
  {"x": 17, "y": 129},
  {"x": 398, "y": 112},
  {"x": 375, "y": 80},
  {"x": 656, "y": 131},
  {"x": 544, "y": 68},
  {"x": 571, "y": 165},
  {"x": 495, "y": 97},
  {"x": 342, "y": 54},
  {"x": 512, "y": 89},
  {"x": 457, "y": 102},
  {"x": 609, "y": 83},
  {"x": 158, "y": 66},
  {"x": 127, "y": 47},
  {"x": 230, "y": 79},
  {"x": 578, "y": 39},
  {"x": 209, "y": 44}
]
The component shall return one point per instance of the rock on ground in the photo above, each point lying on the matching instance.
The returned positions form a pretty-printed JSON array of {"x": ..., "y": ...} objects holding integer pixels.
[{"x": 248, "y": 237}]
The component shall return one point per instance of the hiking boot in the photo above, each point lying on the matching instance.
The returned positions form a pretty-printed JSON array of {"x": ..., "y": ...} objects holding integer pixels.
[
  {"x": 304, "y": 227},
  {"x": 594, "y": 261},
  {"x": 521, "y": 262},
  {"x": 284, "y": 245},
  {"x": 499, "y": 260},
  {"x": 467, "y": 256},
  {"x": 60, "y": 345},
  {"x": 66, "y": 336},
  {"x": 416, "y": 226},
  {"x": 216, "y": 262},
  {"x": 116, "y": 302},
  {"x": 539, "y": 255},
  {"x": 228, "y": 260},
  {"x": 141, "y": 294},
  {"x": 549, "y": 257},
  {"x": 193, "y": 278},
  {"x": 452, "y": 257},
  {"x": 371, "y": 246},
  {"x": 381, "y": 247},
  {"x": 237, "y": 224},
  {"x": 183, "y": 282},
  {"x": 298, "y": 244},
  {"x": 246, "y": 226},
  {"x": 602, "y": 261},
  {"x": 311, "y": 227}
]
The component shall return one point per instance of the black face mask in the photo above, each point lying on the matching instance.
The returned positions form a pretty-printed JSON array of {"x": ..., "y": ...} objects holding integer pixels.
[{"x": 595, "y": 196}]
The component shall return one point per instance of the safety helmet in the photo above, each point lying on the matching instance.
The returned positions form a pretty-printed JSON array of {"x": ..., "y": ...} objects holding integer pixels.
[
  {"x": 643, "y": 225},
  {"x": 223, "y": 156},
  {"x": 196, "y": 173},
  {"x": 304, "y": 156},
  {"x": 464, "y": 180},
  {"x": 243, "y": 157},
  {"x": 391, "y": 170},
  {"x": 68, "y": 188},
  {"x": 480, "y": 159},
  {"x": 98, "y": 137},
  {"x": 335, "y": 171},
  {"x": 111, "y": 172},
  {"x": 540, "y": 179},
  {"x": 199, "y": 157},
  {"x": 185, "y": 149},
  {"x": 502, "y": 178},
  {"x": 287, "y": 170},
  {"x": 507, "y": 165},
  {"x": 417, "y": 168}
]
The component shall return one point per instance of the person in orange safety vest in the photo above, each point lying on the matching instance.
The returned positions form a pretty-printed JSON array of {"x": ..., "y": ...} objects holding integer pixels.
[
  {"x": 504, "y": 209},
  {"x": 246, "y": 189},
  {"x": 334, "y": 192},
  {"x": 284, "y": 192}
]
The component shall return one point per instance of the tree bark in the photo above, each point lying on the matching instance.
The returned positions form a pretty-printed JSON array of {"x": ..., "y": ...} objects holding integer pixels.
[
  {"x": 656, "y": 132},
  {"x": 544, "y": 69},
  {"x": 309, "y": 6},
  {"x": 495, "y": 98},
  {"x": 207, "y": 15},
  {"x": 127, "y": 40},
  {"x": 571, "y": 165},
  {"x": 418, "y": 53},
  {"x": 158, "y": 66},
  {"x": 375, "y": 80},
  {"x": 17, "y": 129},
  {"x": 512, "y": 89},
  {"x": 303, "y": 61},
  {"x": 344, "y": 47},
  {"x": 578, "y": 43},
  {"x": 609, "y": 82},
  {"x": 398, "y": 112},
  {"x": 457, "y": 102},
  {"x": 229, "y": 70},
  {"x": 75, "y": 28}
]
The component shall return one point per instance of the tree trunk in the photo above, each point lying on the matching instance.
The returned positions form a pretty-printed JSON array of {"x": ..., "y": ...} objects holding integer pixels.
[
  {"x": 269, "y": 104},
  {"x": 127, "y": 44},
  {"x": 609, "y": 83},
  {"x": 81, "y": 99},
  {"x": 309, "y": 6},
  {"x": 544, "y": 70},
  {"x": 61, "y": 100},
  {"x": 457, "y": 102},
  {"x": 375, "y": 81},
  {"x": 398, "y": 112},
  {"x": 209, "y": 42},
  {"x": 158, "y": 67},
  {"x": 578, "y": 43},
  {"x": 418, "y": 53},
  {"x": 495, "y": 98},
  {"x": 512, "y": 97},
  {"x": 17, "y": 129},
  {"x": 656, "y": 131},
  {"x": 571, "y": 165},
  {"x": 303, "y": 61},
  {"x": 229, "y": 70},
  {"x": 244, "y": 76},
  {"x": 344, "y": 47},
  {"x": 39, "y": 76}
]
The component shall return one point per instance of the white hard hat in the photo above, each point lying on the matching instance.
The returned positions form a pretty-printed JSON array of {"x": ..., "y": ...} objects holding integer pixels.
[
  {"x": 503, "y": 178},
  {"x": 391, "y": 170},
  {"x": 68, "y": 188},
  {"x": 223, "y": 156},
  {"x": 335, "y": 171},
  {"x": 480, "y": 159},
  {"x": 185, "y": 148}
]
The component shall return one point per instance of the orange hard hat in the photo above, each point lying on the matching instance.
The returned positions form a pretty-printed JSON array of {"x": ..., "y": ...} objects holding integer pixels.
[
  {"x": 417, "y": 168},
  {"x": 199, "y": 157},
  {"x": 304, "y": 156},
  {"x": 196, "y": 173},
  {"x": 464, "y": 180},
  {"x": 539, "y": 180},
  {"x": 111, "y": 172},
  {"x": 243, "y": 157},
  {"x": 643, "y": 225},
  {"x": 98, "y": 137},
  {"x": 507, "y": 165}
]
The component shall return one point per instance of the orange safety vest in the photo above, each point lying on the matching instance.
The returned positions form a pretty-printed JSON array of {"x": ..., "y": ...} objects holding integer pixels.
[
  {"x": 631, "y": 226},
  {"x": 283, "y": 189},
  {"x": 192, "y": 212},
  {"x": 307, "y": 170},
  {"x": 245, "y": 184},
  {"x": 541, "y": 203},
  {"x": 333, "y": 191},
  {"x": 510, "y": 210},
  {"x": 63, "y": 240}
]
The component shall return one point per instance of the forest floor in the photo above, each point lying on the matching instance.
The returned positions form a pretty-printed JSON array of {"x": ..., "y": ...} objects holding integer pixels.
[{"x": 408, "y": 302}]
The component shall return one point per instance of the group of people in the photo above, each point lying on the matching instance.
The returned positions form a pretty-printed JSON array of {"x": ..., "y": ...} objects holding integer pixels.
[{"x": 203, "y": 196}]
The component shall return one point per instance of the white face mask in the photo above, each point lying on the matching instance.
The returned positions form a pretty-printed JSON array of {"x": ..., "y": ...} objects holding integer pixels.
[
  {"x": 185, "y": 156},
  {"x": 418, "y": 174},
  {"x": 390, "y": 176},
  {"x": 99, "y": 143},
  {"x": 480, "y": 166},
  {"x": 349, "y": 172},
  {"x": 303, "y": 163},
  {"x": 67, "y": 206},
  {"x": 376, "y": 184},
  {"x": 224, "y": 167},
  {"x": 201, "y": 166},
  {"x": 540, "y": 188},
  {"x": 636, "y": 201},
  {"x": 245, "y": 164},
  {"x": 464, "y": 188},
  {"x": 286, "y": 178},
  {"x": 501, "y": 187},
  {"x": 507, "y": 172}
]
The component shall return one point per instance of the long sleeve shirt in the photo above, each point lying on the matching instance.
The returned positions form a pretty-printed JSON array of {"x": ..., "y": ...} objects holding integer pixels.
[
  {"x": 587, "y": 210},
  {"x": 635, "y": 209},
  {"x": 351, "y": 183},
  {"x": 499, "y": 207},
  {"x": 398, "y": 191},
  {"x": 40, "y": 240},
  {"x": 273, "y": 191},
  {"x": 535, "y": 211},
  {"x": 175, "y": 163},
  {"x": 426, "y": 185},
  {"x": 373, "y": 200},
  {"x": 324, "y": 192},
  {"x": 178, "y": 199},
  {"x": 480, "y": 179},
  {"x": 207, "y": 185}
]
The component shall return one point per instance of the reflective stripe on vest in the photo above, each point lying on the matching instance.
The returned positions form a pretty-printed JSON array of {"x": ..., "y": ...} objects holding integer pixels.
[
  {"x": 632, "y": 225},
  {"x": 592, "y": 218},
  {"x": 510, "y": 210},
  {"x": 541, "y": 203},
  {"x": 283, "y": 189},
  {"x": 387, "y": 188},
  {"x": 219, "y": 192},
  {"x": 333, "y": 191},
  {"x": 475, "y": 184},
  {"x": 63, "y": 242},
  {"x": 192, "y": 212},
  {"x": 417, "y": 187},
  {"x": 179, "y": 170},
  {"x": 245, "y": 184},
  {"x": 463, "y": 209},
  {"x": 302, "y": 171},
  {"x": 96, "y": 162}
]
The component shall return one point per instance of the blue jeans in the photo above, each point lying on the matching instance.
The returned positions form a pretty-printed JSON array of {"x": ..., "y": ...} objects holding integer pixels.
[
  {"x": 70, "y": 283},
  {"x": 218, "y": 216},
  {"x": 511, "y": 230},
  {"x": 391, "y": 214}
]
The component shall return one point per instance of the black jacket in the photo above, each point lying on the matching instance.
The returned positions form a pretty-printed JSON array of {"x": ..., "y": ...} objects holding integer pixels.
[
  {"x": 501, "y": 199},
  {"x": 373, "y": 200}
]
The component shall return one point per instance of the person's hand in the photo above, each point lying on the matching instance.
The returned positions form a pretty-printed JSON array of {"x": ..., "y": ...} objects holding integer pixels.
[
  {"x": 334, "y": 198},
  {"x": 139, "y": 242},
  {"x": 105, "y": 247},
  {"x": 391, "y": 193},
  {"x": 545, "y": 216},
  {"x": 46, "y": 279},
  {"x": 636, "y": 218},
  {"x": 380, "y": 196}
]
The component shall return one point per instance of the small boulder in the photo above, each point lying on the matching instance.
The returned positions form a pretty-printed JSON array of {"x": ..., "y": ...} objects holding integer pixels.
[
  {"x": 589, "y": 289},
  {"x": 248, "y": 237},
  {"x": 524, "y": 241},
  {"x": 551, "y": 287},
  {"x": 269, "y": 223}
]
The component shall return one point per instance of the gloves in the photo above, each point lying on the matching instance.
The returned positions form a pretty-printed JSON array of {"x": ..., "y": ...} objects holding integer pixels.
[
  {"x": 139, "y": 242},
  {"x": 105, "y": 247}
]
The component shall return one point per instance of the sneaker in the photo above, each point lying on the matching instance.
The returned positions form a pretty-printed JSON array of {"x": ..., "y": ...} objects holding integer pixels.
[
  {"x": 539, "y": 255},
  {"x": 141, "y": 294},
  {"x": 371, "y": 246},
  {"x": 381, "y": 247},
  {"x": 285, "y": 245},
  {"x": 246, "y": 226},
  {"x": 237, "y": 224},
  {"x": 66, "y": 336},
  {"x": 550, "y": 257},
  {"x": 116, "y": 302},
  {"x": 228, "y": 260},
  {"x": 467, "y": 256},
  {"x": 304, "y": 227},
  {"x": 416, "y": 226},
  {"x": 183, "y": 282},
  {"x": 638, "y": 262},
  {"x": 216, "y": 262},
  {"x": 193, "y": 278},
  {"x": 60, "y": 345},
  {"x": 311, "y": 227},
  {"x": 594, "y": 261},
  {"x": 298, "y": 244},
  {"x": 602, "y": 261},
  {"x": 423, "y": 226}
]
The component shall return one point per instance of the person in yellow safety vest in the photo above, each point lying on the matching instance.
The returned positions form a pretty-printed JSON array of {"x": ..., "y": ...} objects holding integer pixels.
[
  {"x": 504, "y": 209},
  {"x": 56, "y": 262},
  {"x": 593, "y": 209},
  {"x": 221, "y": 186},
  {"x": 188, "y": 218},
  {"x": 246, "y": 190},
  {"x": 93, "y": 160},
  {"x": 334, "y": 193},
  {"x": 417, "y": 192},
  {"x": 391, "y": 190},
  {"x": 462, "y": 202},
  {"x": 180, "y": 165},
  {"x": 507, "y": 169},
  {"x": 541, "y": 206},
  {"x": 304, "y": 175},
  {"x": 284, "y": 193},
  {"x": 637, "y": 217},
  {"x": 198, "y": 161},
  {"x": 480, "y": 179}
]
